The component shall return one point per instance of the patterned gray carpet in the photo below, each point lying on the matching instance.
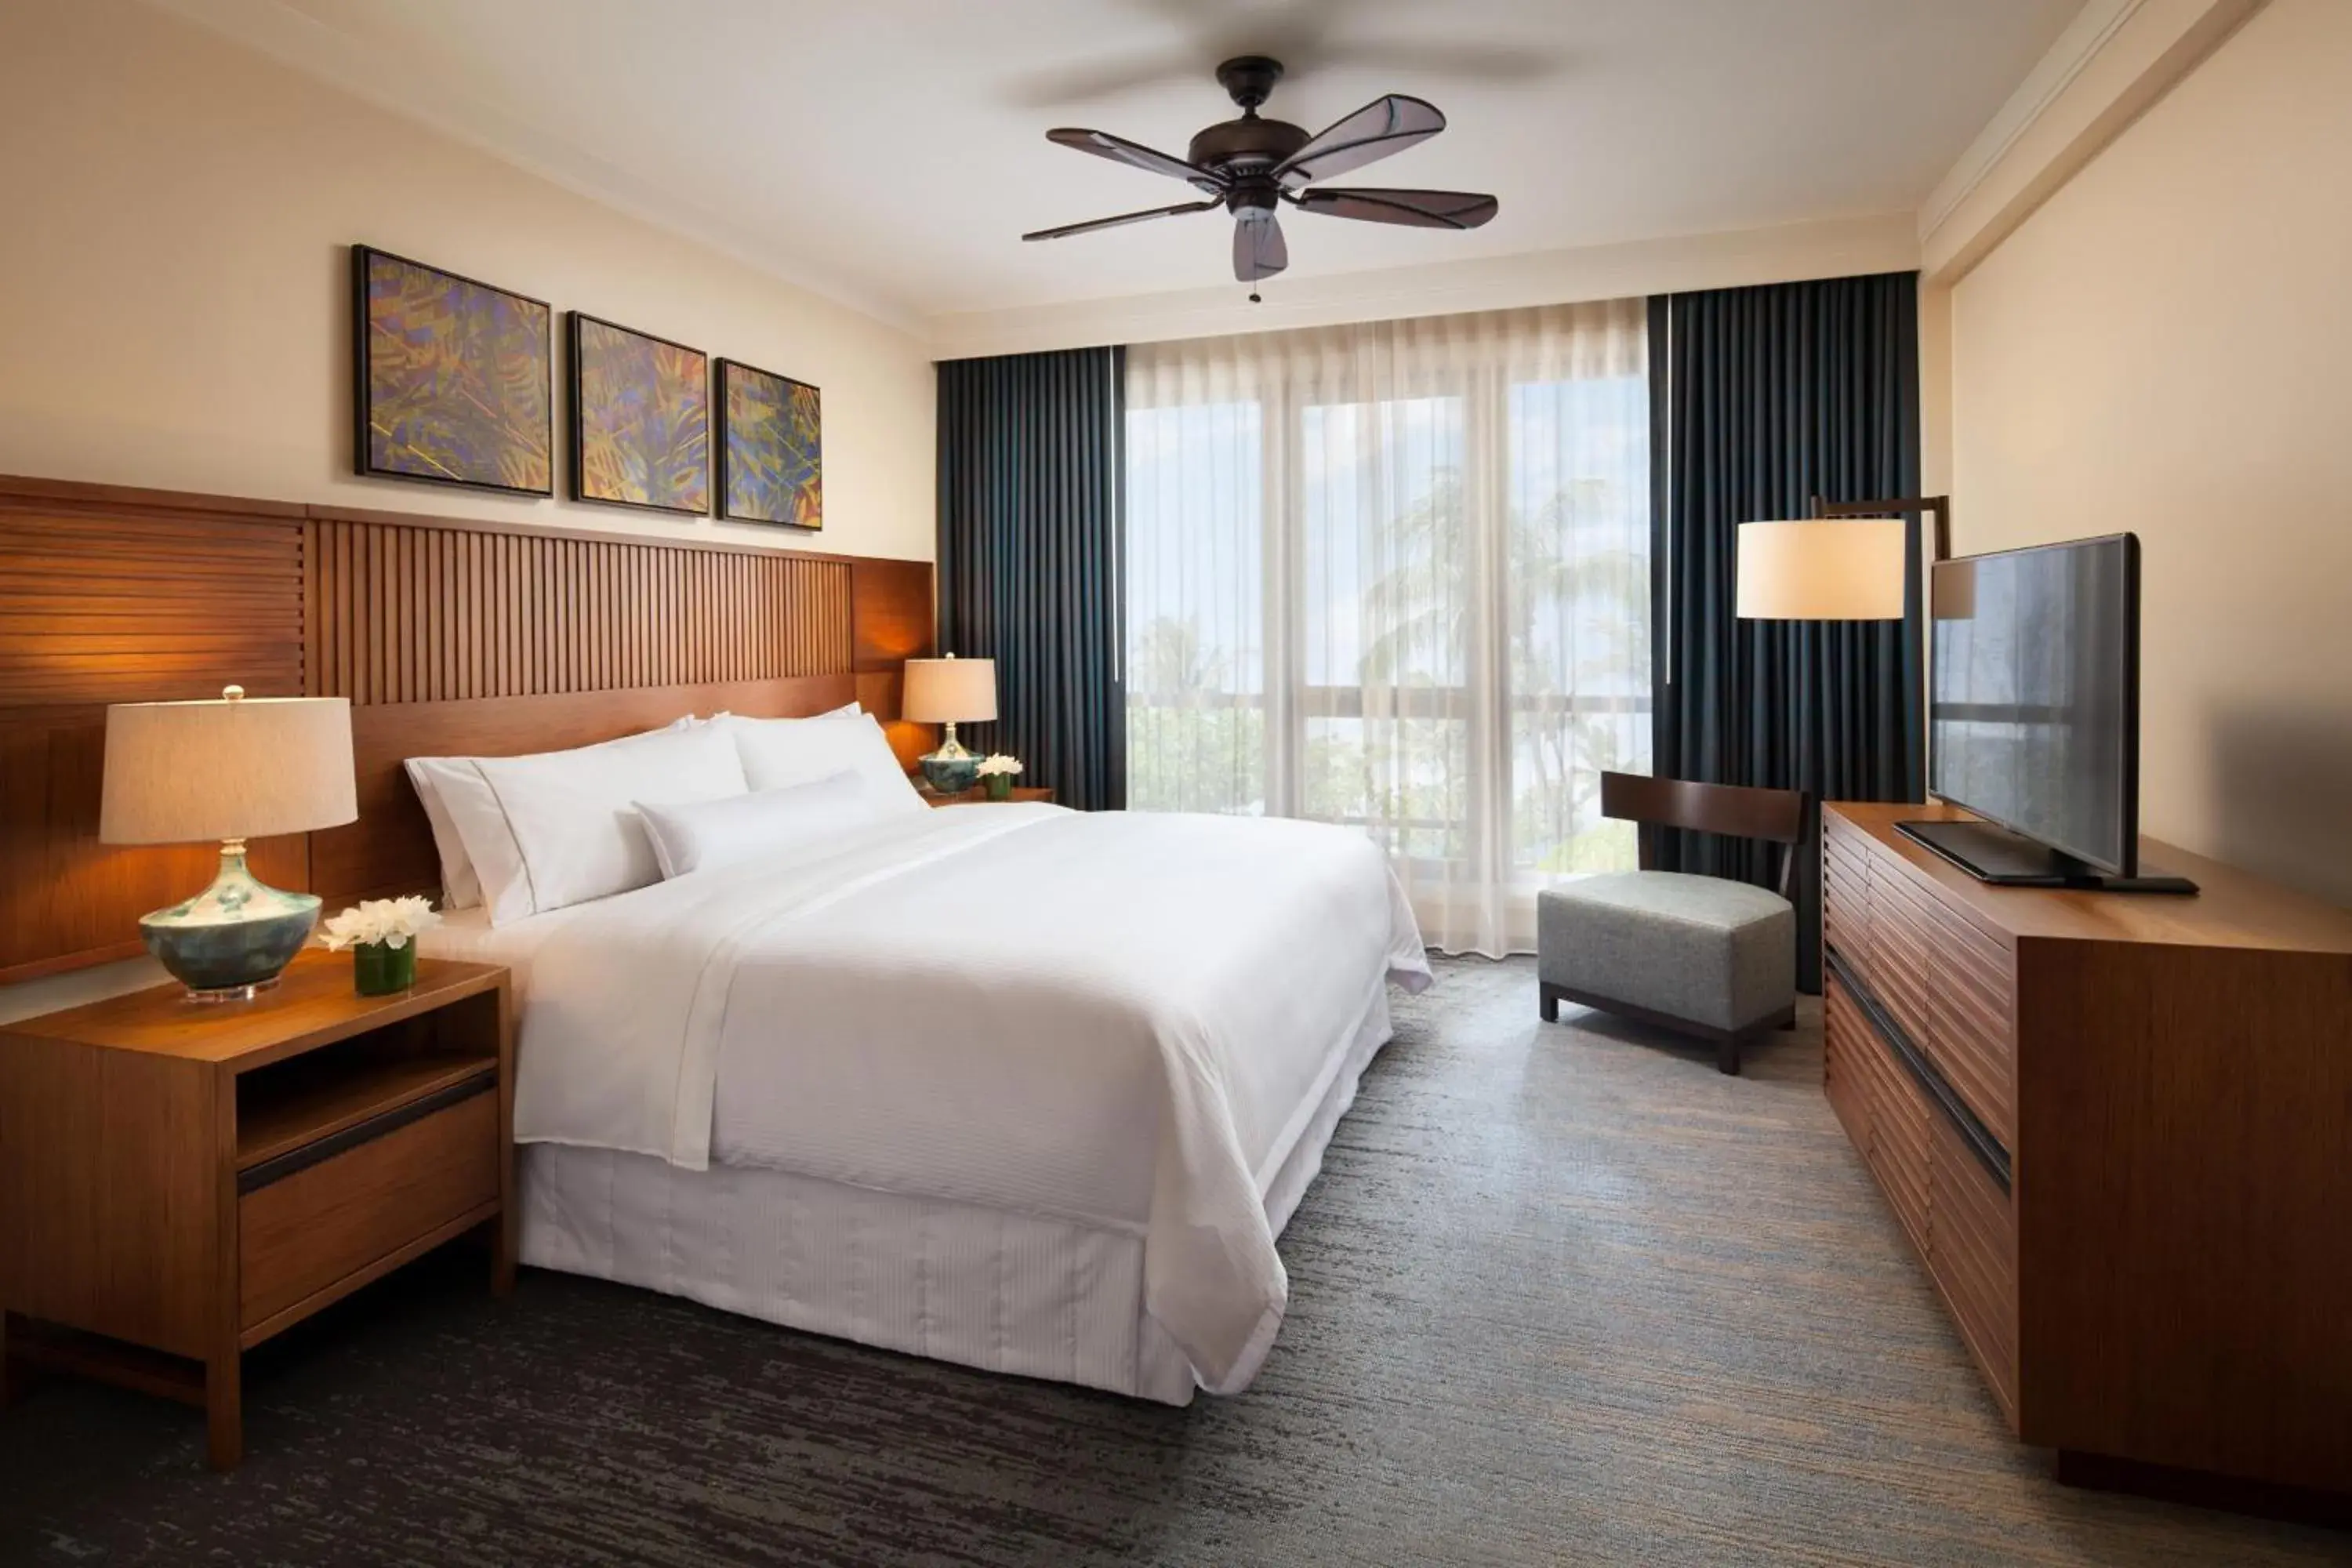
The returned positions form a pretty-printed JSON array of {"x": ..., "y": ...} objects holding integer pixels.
[{"x": 1564, "y": 1294}]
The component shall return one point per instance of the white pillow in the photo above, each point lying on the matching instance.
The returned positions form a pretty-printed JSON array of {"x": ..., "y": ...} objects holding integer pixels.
[
  {"x": 778, "y": 752},
  {"x": 574, "y": 819},
  {"x": 849, "y": 709},
  {"x": 467, "y": 823},
  {"x": 437, "y": 780},
  {"x": 690, "y": 836}
]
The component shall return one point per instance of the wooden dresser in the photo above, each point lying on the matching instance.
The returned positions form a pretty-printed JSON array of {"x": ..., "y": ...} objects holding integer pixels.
[{"x": 2118, "y": 1130}]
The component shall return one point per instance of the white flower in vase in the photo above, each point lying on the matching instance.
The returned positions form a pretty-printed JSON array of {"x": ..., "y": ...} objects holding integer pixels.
[
  {"x": 388, "y": 922},
  {"x": 1009, "y": 767}
]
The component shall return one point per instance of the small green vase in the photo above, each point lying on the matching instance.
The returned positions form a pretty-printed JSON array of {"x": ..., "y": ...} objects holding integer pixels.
[
  {"x": 380, "y": 968},
  {"x": 1000, "y": 787}
]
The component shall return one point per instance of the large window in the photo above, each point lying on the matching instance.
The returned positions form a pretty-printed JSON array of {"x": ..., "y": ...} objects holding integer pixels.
[{"x": 1396, "y": 576}]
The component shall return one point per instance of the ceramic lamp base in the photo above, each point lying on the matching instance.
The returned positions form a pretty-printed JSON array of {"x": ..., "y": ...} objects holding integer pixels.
[
  {"x": 232, "y": 941},
  {"x": 950, "y": 770}
]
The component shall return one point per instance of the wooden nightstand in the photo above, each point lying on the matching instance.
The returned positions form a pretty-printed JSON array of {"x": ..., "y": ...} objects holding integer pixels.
[
  {"x": 978, "y": 796},
  {"x": 180, "y": 1181}
]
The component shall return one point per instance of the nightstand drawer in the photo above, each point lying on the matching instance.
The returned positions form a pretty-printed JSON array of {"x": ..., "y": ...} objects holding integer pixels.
[{"x": 325, "y": 1222}]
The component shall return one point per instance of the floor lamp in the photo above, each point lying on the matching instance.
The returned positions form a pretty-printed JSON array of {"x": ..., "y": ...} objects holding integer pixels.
[
  {"x": 1848, "y": 561},
  {"x": 1845, "y": 563}
]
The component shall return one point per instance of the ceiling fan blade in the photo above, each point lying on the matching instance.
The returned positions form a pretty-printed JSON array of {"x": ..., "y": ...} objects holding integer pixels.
[
  {"x": 1417, "y": 209},
  {"x": 1386, "y": 125},
  {"x": 1070, "y": 228},
  {"x": 1258, "y": 248},
  {"x": 1118, "y": 149}
]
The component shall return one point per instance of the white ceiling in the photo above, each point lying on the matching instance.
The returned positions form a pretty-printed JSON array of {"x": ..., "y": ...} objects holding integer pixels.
[{"x": 891, "y": 151}]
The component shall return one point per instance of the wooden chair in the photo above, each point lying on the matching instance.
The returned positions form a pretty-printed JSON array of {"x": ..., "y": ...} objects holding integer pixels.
[{"x": 1702, "y": 955}]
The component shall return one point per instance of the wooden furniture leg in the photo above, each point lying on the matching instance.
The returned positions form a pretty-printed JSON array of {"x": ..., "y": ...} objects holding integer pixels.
[
  {"x": 225, "y": 1408},
  {"x": 502, "y": 1255},
  {"x": 12, "y": 1377},
  {"x": 1549, "y": 1007}
]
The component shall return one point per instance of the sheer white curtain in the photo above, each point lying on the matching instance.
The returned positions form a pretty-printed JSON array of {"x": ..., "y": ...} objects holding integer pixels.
[{"x": 1397, "y": 575}]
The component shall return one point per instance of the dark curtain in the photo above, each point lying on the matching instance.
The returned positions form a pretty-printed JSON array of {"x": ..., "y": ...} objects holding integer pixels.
[
  {"x": 1031, "y": 460},
  {"x": 1762, "y": 399}
]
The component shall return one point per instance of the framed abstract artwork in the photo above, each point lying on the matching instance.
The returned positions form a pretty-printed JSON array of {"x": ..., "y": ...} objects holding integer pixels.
[
  {"x": 640, "y": 419},
  {"x": 455, "y": 378},
  {"x": 771, "y": 463}
]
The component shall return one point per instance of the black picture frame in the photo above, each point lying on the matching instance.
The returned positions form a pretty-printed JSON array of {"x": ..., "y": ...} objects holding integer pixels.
[
  {"x": 573, "y": 321},
  {"x": 364, "y": 385},
  {"x": 726, "y": 446}
]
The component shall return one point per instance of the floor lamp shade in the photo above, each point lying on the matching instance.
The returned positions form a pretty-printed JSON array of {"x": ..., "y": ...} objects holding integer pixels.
[
  {"x": 234, "y": 769},
  {"x": 1842, "y": 569}
]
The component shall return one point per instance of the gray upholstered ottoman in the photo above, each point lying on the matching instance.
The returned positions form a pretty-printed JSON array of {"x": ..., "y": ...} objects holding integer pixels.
[{"x": 1710, "y": 957}]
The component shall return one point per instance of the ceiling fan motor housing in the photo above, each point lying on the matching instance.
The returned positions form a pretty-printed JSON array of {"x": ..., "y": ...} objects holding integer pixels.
[{"x": 1248, "y": 145}]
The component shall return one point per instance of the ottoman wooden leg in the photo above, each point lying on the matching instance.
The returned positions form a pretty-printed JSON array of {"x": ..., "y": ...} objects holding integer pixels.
[
  {"x": 1726, "y": 1055},
  {"x": 1550, "y": 1004}
]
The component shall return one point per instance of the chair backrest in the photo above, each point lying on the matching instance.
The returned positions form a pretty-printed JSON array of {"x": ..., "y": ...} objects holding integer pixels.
[{"x": 1739, "y": 811}]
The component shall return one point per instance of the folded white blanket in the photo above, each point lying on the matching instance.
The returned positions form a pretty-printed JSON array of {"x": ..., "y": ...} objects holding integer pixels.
[{"x": 1121, "y": 1017}]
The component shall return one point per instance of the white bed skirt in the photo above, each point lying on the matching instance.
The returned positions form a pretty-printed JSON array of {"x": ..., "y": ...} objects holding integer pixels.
[{"x": 1036, "y": 1295}]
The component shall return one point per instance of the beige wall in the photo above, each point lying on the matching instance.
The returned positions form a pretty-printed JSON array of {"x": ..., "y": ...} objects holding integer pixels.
[
  {"x": 2166, "y": 346},
  {"x": 174, "y": 281}
]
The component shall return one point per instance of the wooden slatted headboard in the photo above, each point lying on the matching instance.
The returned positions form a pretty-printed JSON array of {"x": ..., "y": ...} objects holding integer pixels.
[{"x": 449, "y": 637}]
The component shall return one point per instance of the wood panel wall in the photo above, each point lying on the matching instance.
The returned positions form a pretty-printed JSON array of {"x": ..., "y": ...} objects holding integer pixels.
[
  {"x": 411, "y": 611},
  {"x": 448, "y": 636},
  {"x": 117, "y": 596}
]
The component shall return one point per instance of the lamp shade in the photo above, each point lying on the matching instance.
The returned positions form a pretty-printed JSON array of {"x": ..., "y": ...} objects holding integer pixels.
[
  {"x": 950, "y": 690},
  {"x": 1837, "y": 569},
  {"x": 241, "y": 767}
]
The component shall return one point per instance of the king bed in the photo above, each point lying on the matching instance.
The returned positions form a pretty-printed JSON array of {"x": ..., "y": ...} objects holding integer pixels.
[{"x": 1023, "y": 1087}]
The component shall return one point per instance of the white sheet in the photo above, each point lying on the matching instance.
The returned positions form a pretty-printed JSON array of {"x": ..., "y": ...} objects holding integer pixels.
[
  {"x": 1012, "y": 1293},
  {"x": 1120, "y": 1019}
]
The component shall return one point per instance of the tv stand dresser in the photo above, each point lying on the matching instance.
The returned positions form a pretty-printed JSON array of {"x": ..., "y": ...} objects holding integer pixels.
[{"x": 2118, "y": 1131}]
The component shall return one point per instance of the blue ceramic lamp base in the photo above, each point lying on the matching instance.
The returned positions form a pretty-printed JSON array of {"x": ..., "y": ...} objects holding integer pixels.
[
  {"x": 950, "y": 770},
  {"x": 234, "y": 939}
]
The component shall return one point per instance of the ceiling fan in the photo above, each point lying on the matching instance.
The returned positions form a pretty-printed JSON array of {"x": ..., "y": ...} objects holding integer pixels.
[{"x": 1250, "y": 166}]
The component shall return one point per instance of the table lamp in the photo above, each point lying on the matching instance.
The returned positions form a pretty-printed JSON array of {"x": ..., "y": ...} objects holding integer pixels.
[
  {"x": 944, "y": 691},
  {"x": 234, "y": 769}
]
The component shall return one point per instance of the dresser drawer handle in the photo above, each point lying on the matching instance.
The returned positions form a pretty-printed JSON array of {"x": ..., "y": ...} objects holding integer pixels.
[
  {"x": 295, "y": 1161},
  {"x": 1973, "y": 1133}
]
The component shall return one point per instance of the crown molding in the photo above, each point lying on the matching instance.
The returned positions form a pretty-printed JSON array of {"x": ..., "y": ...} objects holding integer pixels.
[
  {"x": 2092, "y": 28},
  {"x": 2111, "y": 65},
  {"x": 303, "y": 43},
  {"x": 1835, "y": 248}
]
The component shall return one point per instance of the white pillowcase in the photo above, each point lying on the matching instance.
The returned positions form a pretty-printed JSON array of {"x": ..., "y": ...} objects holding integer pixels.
[
  {"x": 849, "y": 709},
  {"x": 467, "y": 823},
  {"x": 574, "y": 819},
  {"x": 690, "y": 836},
  {"x": 447, "y": 785},
  {"x": 778, "y": 752}
]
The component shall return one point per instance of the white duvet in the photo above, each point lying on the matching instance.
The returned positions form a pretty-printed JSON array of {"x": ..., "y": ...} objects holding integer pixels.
[{"x": 1122, "y": 1020}]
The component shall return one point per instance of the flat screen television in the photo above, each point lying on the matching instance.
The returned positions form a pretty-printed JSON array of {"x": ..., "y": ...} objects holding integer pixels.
[{"x": 2034, "y": 715}]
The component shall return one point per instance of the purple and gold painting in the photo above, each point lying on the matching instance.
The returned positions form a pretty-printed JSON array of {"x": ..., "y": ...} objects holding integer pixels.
[
  {"x": 640, "y": 419},
  {"x": 771, "y": 450},
  {"x": 455, "y": 377}
]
